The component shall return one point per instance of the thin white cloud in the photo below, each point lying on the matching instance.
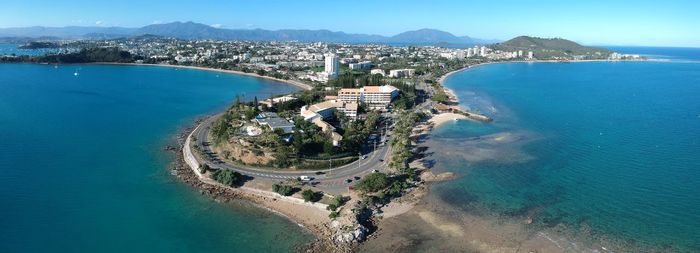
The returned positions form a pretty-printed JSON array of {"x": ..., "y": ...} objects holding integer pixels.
[
  {"x": 217, "y": 25},
  {"x": 156, "y": 22},
  {"x": 99, "y": 22}
]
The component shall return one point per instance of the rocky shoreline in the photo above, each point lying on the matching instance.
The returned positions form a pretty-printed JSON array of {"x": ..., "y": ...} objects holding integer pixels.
[
  {"x": 341, "y": 235},
  {"x": 329, "y": 235}
]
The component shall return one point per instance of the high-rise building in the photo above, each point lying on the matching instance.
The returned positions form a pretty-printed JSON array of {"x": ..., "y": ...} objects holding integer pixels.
[
  {"x": 483, "y": 51},
  {"x": 332, "y": 66}
]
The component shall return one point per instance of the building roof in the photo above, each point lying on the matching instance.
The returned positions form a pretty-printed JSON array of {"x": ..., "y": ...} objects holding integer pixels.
[
  {"x": 324, "y": 105},
  {"x": 274, "y": 122},
  {"x": 369, "y": 89},
  {"x": 323, "y": 125},
  {"x": 336, "y": 136}
]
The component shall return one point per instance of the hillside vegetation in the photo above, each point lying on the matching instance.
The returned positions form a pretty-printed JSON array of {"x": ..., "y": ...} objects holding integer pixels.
[
  {"x": 87, "y": 55},
  {"x": 552, "y": 48}
]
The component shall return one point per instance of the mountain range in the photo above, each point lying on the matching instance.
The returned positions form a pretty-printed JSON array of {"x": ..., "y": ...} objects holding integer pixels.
[{"x": 192, "y": 30}]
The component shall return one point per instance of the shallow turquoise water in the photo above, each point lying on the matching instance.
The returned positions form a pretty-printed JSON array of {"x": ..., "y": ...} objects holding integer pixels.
[
  {"x": 610, "y": 150},
  {"x": 82, "y": 167},
  {"x": 11, "y": 49}
]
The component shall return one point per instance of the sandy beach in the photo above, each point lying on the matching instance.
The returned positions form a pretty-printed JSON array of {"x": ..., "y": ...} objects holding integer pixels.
[
  {"x": 442, "y": 118},
  {"x": 291, "y": 82}
]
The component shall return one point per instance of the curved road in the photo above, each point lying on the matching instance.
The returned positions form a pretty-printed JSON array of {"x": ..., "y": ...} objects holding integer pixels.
[{"x": 334, "y": 178}]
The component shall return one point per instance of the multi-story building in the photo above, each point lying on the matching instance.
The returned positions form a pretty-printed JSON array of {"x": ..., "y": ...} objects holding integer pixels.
[
  {"x": 332, "y": 66},
  {"x": 316, "y": 114},
  {"x": 361, "y": 65},
  {"x": 401, "y": 73},
  {"x": 377, "y": 71},
  {"x": 376, "y": 97}
]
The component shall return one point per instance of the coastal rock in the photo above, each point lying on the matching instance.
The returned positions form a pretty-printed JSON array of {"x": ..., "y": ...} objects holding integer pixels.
[
  {"x": 358, "y": 234},
  {"x": 429, "y": 176}
]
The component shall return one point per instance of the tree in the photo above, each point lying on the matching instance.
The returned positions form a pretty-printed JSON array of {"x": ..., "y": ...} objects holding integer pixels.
[
  {"x": 255, "y": 105},
  {"x": 372, "y": 182},
  {"x": 284, "y": 190},
  {"x": 333, "y": 215},
  {"x": 227, "y": 177},
  {"x": 308, "y": 195},
  {"x": 336, "y": 202},
  {"x": 238, "y": 101},
  {"x": 203, "y": 168},
  {"x": 440, "y": 96}
]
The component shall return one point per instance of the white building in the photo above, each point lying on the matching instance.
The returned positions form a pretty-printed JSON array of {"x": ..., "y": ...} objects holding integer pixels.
[
  {"x": 376, "y": 97},
  {"x": 316, "y": 114},
  {"x": 361, "y": 65},
  {"x": 332, "y": 66},
  {"x": 530, "y": 55},
  {"x": 400, "y": 73},
  {"x": 377, "y": 71},
  {"x": 483, "y": 51}
]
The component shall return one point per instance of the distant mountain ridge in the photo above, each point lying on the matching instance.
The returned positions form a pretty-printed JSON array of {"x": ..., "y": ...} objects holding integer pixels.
[{"x": 192, "y": 30}]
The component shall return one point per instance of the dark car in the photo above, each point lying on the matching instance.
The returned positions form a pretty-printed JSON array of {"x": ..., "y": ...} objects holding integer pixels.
[
  {"x": 348, "y": 180},
  {"x": 320, "y": 173},
  {"x": 357, "y": 178}
]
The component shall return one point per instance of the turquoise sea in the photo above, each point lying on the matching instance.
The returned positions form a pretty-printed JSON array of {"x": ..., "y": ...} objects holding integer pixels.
[
  {"x": 11, "y": 49},
  {"x": 82, "y": 166},
  {"x": 608, "y": 150}
]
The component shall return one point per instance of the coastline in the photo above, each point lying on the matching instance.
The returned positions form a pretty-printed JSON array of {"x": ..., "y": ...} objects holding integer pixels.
[
  {"x": 455, "y": 99},
  {"x": 443, "y": 118},
  {"x": 482, "y": 232},
  {"x": 312, "y": 217},
  {"x": 315, "y": 218},
  {"x": 295, "y": 83}
]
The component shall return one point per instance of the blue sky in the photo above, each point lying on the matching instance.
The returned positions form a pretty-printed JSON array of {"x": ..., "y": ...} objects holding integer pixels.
[{"x": 642, "y": 22}]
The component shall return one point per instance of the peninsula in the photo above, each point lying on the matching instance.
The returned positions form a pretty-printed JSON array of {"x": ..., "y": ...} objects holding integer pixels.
[{"x": 342, "y": 153}]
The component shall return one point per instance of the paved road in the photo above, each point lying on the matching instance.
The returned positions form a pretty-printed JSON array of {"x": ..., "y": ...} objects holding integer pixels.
[{"x": 332, "y": 179}]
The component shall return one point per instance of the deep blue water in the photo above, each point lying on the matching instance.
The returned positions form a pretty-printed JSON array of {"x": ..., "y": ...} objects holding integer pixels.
[
  {"x": 664, "y": 53},
  {"x": 610, "y": 150},
  {"x": 82, "y": 167}
]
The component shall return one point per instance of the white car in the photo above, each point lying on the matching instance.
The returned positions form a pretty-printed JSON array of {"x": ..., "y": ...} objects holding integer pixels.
[{"x": 304, "y": 178}]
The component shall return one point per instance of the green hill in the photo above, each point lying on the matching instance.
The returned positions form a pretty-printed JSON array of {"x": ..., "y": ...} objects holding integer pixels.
[{"x": 555, "y": 48}]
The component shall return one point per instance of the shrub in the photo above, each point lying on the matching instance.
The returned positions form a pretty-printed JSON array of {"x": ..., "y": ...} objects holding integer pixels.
[
  {"x": 284, "y": 190},
  {"x": 203, "y": 168},
  {"x": 372, "y": 182},
  {"x": 336, "y": 202},
  {"x": 333, "y": 215},
  {"x": 309, "y": 195},
  {"x": 227, "y": 177}
]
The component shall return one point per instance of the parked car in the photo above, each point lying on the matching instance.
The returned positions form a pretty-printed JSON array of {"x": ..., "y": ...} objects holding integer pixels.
[{"x": 348, "y": 180}]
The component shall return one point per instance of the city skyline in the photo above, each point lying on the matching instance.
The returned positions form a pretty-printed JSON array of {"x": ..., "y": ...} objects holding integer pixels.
[{"x": 645, "y": 23}]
